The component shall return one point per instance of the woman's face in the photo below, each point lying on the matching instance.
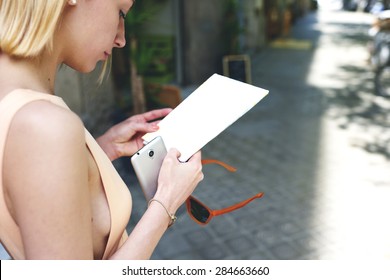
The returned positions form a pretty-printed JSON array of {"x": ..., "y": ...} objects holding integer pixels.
[{"x": 90, "y": 30}]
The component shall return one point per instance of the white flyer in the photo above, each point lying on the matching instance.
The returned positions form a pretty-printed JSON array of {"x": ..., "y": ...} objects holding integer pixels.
[{"x": 208, "y": 111}]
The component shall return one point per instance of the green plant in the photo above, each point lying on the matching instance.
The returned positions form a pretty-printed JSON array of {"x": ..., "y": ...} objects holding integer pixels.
[
  {"x": 139, "y": 60},
  {"x": 231, "y": 28}
]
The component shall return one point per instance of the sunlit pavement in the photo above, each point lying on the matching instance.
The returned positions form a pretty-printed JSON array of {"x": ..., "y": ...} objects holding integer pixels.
[
  {"x": 353, "y": 178},
  {"x": 318, "y": 146}
]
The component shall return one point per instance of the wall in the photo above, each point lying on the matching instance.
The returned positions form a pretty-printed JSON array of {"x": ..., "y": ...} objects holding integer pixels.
[
  {"x": 164, "y": 22},
  {"x": 201, "y": 42},
  {"x": 254, "y": 35},
  {"x": 202, "y": 35},
  {"x": 197, "y": 29},
  {"x": 82, "y": 93}
]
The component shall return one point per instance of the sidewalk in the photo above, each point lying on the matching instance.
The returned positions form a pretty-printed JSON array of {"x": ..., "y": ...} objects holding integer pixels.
[{"x": 317, "y": 147}]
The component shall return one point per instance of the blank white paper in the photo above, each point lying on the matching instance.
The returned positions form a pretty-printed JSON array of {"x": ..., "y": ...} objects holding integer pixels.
[{"x": 208, "y": 111}]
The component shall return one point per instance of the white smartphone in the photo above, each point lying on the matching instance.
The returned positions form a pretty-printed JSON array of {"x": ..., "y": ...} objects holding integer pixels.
[{"x": 147, "y": 163}]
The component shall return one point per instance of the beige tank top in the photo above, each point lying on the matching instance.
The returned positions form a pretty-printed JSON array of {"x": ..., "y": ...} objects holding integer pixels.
[{"x": 117, "y": 193}]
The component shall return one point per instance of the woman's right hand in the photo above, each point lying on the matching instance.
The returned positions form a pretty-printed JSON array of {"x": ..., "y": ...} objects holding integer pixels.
[{"x": 178, "y": 180}]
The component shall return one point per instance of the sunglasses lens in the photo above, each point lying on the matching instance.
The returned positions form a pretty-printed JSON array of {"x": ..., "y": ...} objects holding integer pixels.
[{"x": 198, "y": 211}]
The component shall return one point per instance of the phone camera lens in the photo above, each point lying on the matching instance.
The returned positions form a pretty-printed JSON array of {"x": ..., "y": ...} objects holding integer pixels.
[{"x": 151, "y": 153}]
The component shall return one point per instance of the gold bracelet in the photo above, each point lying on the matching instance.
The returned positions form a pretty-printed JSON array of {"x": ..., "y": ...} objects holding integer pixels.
[{"x": 172, "y": 216}]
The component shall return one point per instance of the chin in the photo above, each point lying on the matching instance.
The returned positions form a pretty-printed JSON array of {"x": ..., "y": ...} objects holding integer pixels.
[
  {"x": 83, "y": 65},
  {"x": 88, "y": 69},
  {"x": 85, "y": 69}
]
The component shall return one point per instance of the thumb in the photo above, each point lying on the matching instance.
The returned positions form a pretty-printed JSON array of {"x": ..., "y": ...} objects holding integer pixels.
[{"x": 173, "y": 152}]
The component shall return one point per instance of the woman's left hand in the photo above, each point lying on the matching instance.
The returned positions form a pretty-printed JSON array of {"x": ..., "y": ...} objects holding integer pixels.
[{"x": 124, "y": 139}]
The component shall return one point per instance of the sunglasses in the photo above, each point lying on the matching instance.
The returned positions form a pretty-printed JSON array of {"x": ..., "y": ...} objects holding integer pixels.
[{"x": 202, "y": 214}]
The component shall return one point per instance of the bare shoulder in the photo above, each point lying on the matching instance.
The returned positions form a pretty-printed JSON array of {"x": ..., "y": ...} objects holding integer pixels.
[
  {"x": 45, "y": 117},
  {"x": 44, "y": 129}
]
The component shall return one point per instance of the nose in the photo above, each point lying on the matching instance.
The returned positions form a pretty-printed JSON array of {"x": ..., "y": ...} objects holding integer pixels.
[{"x": 120, "y": 40}]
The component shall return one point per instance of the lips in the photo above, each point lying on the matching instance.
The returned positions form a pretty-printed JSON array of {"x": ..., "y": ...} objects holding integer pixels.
[{"x": 106, "y": 55}]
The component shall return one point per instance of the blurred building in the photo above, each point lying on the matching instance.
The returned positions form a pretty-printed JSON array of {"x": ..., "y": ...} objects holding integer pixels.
[
  {"x": 190, "y": 39},
  {"x": 203, "y": 31}
]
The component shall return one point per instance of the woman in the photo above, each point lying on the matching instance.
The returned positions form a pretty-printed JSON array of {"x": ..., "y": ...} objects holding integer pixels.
[{"x": 60, "y": 196}]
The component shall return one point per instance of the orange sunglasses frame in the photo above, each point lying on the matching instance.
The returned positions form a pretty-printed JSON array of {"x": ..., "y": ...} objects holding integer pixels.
[{"x": 214, "y": 213}]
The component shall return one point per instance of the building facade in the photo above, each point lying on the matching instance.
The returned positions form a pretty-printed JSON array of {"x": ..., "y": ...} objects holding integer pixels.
[{"x": 191, "y": 37}]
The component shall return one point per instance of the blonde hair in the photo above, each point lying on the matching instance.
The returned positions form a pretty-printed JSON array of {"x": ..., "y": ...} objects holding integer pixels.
[{"x": 27, "y": 26}]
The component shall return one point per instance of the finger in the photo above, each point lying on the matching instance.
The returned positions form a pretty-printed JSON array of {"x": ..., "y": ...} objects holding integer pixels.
[
  {"x": 156, "y": 123},
  {"x": 174, "y": 153},
  {"x": 196, "y": 157},
  {"x": 156, "y": 114},
  {"x": 172, "y": 157},
  {"x": 144, "y": 127}
]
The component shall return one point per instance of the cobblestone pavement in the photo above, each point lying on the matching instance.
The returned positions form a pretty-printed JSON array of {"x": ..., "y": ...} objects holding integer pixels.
[{"x": 317, "y": 145}]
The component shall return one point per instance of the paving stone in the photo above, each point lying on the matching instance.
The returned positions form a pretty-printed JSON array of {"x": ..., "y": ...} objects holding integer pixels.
[
  {"x": 171, "y": 245},
  {"x": 198, "y": 237},
  {"x": 240, "y": 244},
  {"x": 284, "y": 251},
  {"x": 213, "y": 251}
]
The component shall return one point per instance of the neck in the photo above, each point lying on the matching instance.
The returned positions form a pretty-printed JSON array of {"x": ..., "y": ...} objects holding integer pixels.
[{"x": 32, "y": 74}]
